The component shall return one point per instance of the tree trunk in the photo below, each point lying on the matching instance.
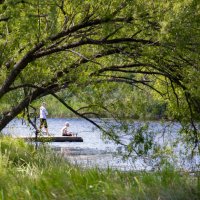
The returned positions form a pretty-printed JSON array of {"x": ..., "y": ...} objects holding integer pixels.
[{"x": 9, "y": 116}]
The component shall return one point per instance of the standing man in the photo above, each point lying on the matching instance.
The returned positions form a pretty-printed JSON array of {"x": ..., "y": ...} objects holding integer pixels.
[{"x": 43, "y": 117}]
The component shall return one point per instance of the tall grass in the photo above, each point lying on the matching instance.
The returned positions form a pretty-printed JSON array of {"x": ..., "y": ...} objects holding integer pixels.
[{"x": 29, "y": 174}]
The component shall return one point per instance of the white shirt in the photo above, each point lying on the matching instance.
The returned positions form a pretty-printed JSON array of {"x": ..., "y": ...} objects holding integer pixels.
[
  {"x": 64, "y": 130},
  {"x": 43, "y": 112}
]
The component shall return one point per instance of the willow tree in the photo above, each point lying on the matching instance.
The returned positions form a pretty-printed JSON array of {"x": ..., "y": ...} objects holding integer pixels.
[{"x": 48, "y": 46}]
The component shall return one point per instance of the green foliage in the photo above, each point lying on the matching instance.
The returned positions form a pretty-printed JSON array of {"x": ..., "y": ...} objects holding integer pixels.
[{"x": 43, "y": 19}]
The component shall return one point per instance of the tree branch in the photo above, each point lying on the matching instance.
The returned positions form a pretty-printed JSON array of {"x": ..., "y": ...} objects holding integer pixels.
[
  {"x": 84, "y": 117},
  {"x": 18, "y": 67},
  {"x": 87, "y": 24},
  {"x": 128, "y": 81}
]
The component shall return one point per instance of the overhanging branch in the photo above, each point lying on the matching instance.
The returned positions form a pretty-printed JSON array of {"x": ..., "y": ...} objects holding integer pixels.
[{"x": 86, "y": 118}]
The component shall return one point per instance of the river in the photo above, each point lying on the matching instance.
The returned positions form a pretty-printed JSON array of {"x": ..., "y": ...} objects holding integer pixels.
[{"x": 93, "y": 151}]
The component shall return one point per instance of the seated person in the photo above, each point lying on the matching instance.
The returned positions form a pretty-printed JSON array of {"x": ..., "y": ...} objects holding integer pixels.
[{"x": 64, "y": 130}]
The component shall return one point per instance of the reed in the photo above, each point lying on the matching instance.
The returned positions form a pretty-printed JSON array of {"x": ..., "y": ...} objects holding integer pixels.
[{"x": 26, "y": 173}]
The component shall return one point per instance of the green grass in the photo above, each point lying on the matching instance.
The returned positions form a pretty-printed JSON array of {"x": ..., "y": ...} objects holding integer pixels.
[{"x": 29, "y": 174}]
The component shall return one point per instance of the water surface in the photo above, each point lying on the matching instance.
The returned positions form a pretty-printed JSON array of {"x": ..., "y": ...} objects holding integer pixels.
[{"x": 94, "y": 151}]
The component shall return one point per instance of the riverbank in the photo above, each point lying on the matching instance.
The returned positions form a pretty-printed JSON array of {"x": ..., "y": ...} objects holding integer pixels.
[{"x": 27, "y": 173}]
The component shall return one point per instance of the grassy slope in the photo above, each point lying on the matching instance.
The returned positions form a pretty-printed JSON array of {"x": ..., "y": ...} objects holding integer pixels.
[{"x": 29, "y": 174}]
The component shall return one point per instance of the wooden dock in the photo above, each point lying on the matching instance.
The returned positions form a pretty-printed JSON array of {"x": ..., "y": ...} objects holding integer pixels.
[{"x": 53, "y": 139}]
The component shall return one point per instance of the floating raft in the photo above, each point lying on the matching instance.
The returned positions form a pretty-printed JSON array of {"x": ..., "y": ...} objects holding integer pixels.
[{"x": 53, "y": 139}]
